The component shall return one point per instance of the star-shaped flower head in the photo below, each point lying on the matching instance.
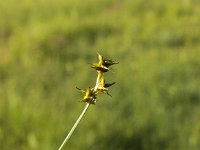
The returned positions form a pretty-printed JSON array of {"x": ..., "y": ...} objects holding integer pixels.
[
  {"x": 90, "y": 95},
  {"x": 103, "y": 64},
  {"x": 102, "y": 86}
]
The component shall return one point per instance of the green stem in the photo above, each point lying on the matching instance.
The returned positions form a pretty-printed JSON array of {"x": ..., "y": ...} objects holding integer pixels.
[{"x": 74, "y": 127}]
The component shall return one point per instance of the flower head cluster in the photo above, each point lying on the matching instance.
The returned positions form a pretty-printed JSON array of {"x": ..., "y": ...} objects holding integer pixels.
[{"x": 101, "y": 86}]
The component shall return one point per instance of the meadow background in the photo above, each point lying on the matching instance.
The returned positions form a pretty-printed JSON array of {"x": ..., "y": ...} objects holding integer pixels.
[{"x": 45, "y": 46}]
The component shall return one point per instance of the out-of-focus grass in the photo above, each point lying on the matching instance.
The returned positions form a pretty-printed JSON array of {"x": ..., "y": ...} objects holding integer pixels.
[{"x": 44, "y": 49}]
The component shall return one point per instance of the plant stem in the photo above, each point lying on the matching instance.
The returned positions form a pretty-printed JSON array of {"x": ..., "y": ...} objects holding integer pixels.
[{"x": 75, "y": 125}]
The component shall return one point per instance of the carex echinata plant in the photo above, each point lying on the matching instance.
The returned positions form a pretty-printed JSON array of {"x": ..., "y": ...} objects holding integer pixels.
[{"x": 90, "y": 94}]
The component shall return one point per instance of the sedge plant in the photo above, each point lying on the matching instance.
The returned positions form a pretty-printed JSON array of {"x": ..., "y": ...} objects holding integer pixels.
[{"x": 90, "y": 94}]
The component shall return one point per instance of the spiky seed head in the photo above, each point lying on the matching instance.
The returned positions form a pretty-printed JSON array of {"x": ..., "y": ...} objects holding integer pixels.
[{"x": 90, "y": 95}]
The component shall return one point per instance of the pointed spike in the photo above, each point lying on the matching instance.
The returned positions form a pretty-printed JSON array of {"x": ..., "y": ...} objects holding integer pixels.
[
  {"x": 109, "y": 62},
  {"x": 80, "y": 89},
  {"x": 100, "y": 57},
  {"x": 108, "y": 93},
  {"x": 109, "y": 84}
]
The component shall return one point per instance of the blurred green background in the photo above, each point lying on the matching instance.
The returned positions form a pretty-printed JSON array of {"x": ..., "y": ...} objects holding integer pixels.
[{"x": 45, "y": 46}]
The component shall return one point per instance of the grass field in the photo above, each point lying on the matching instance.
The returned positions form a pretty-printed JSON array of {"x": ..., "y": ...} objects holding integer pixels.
[{"x": 45, "y": 48}]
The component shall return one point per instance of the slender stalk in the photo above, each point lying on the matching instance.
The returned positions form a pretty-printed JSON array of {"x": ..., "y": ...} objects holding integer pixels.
[{"x": 75, "y": 125}]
